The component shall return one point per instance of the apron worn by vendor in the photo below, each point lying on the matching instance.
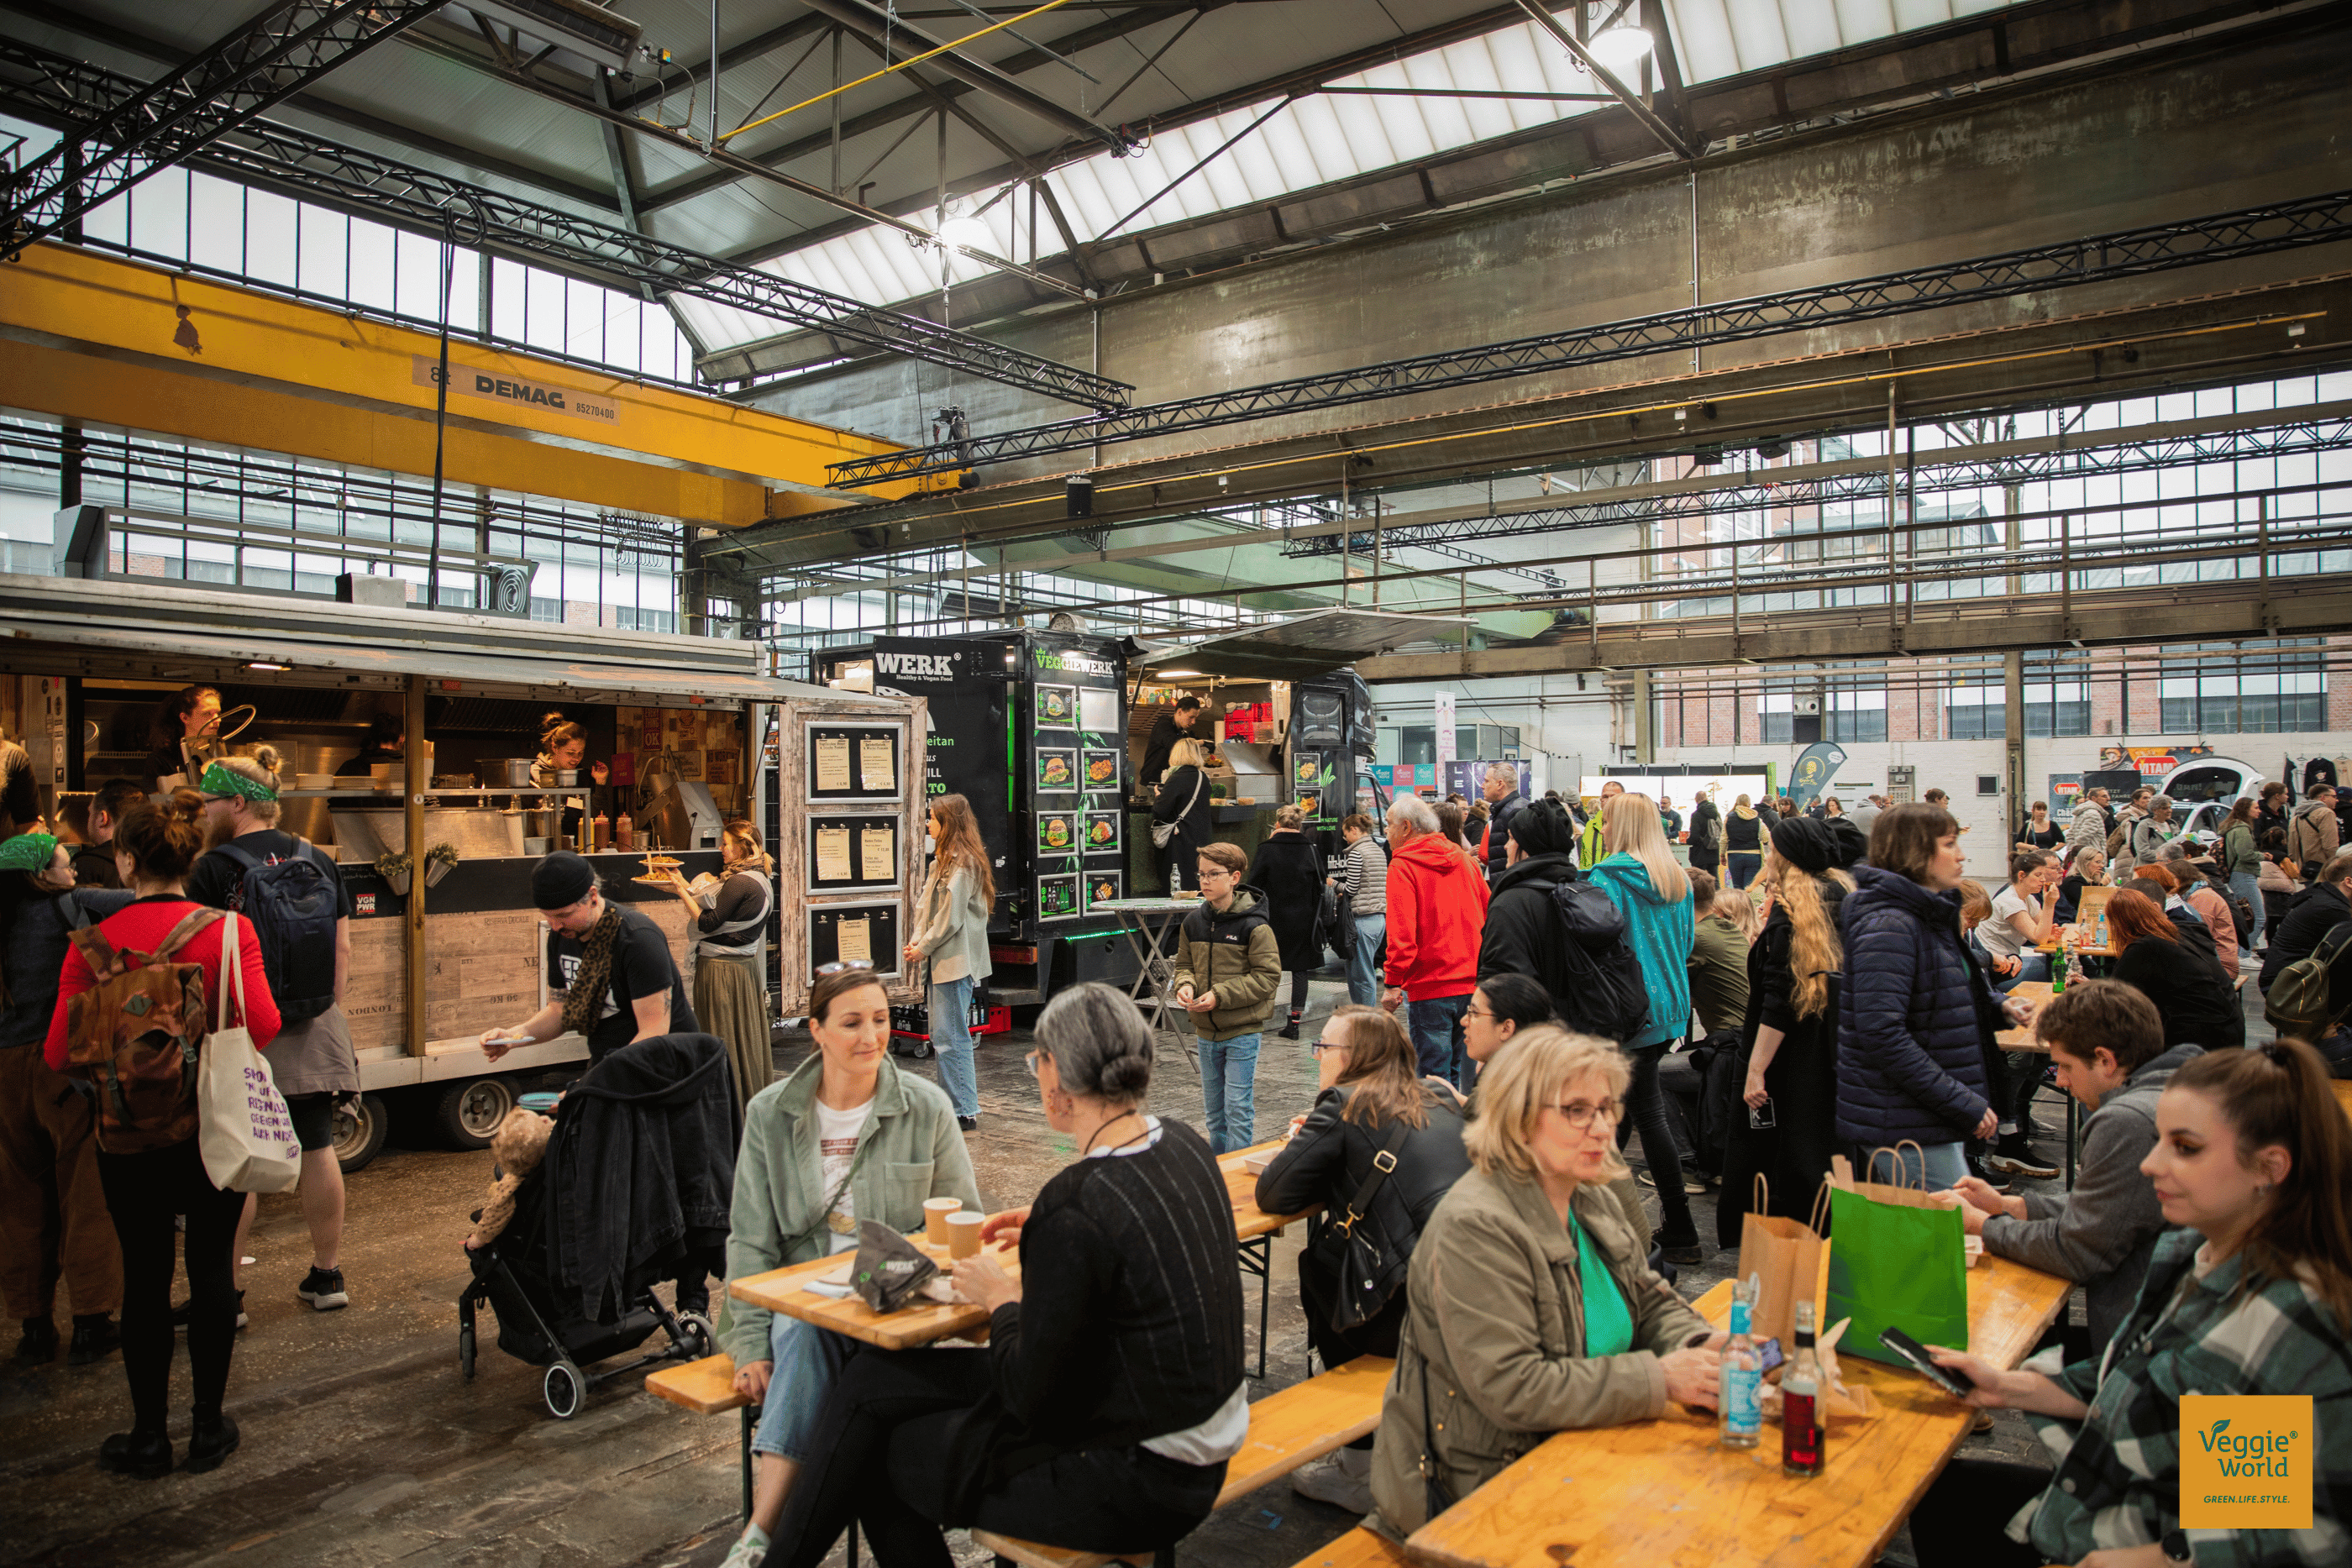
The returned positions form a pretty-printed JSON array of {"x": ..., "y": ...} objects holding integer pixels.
[{"x": 730, "y": 994}]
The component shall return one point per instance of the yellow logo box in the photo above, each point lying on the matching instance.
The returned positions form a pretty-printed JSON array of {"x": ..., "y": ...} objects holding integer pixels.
[{"x": 2245, "y": 1461}]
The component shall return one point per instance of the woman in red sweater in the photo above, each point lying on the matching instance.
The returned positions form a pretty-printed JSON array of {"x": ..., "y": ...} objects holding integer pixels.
[{"x": 154, "y": 847}]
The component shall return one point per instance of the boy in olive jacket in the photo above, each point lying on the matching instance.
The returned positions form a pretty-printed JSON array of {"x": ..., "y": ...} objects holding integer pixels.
[{"x": 1228, "y": 966}]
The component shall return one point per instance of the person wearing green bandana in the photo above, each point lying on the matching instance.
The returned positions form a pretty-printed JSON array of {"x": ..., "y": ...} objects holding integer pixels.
[
  {"x": 1533, "y": 1308},
  {"x": 312, "y": 1059}
]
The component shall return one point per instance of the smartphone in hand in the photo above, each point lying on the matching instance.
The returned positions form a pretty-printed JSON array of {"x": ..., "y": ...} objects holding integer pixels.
[{"x": 1912, "y": 1351}]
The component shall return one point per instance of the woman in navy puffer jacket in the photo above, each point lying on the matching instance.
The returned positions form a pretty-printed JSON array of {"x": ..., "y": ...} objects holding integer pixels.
[{"x": 1915, "y": 1020}]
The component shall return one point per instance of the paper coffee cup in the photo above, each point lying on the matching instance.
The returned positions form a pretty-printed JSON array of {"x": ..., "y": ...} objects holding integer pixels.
[
  {"x": 963, "y": 1233},
  {"x": 935, "y": 1219}
]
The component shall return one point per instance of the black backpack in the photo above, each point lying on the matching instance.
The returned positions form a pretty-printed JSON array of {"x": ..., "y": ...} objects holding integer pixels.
[
  {"x": 293, "y": 905},
  {"x": 1606, "y": 995}
]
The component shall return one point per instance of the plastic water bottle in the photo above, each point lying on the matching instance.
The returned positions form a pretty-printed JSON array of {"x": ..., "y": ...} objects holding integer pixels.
[{"x": 1741, "y": 1395}]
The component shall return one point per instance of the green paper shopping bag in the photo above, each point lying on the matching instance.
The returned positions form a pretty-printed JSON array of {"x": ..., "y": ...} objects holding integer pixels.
[{"x": 1900, "y": 1261}]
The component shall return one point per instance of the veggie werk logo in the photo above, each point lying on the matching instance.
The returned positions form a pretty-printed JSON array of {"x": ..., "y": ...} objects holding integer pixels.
[{"x": 2245, "y": 1461}]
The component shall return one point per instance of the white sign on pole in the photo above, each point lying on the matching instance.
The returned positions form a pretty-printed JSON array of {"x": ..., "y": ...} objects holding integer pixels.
[{"x": 1446, "y": 751}]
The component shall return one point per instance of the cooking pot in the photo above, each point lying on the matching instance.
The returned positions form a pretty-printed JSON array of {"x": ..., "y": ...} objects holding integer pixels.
[{"x": 514, "y": 772}]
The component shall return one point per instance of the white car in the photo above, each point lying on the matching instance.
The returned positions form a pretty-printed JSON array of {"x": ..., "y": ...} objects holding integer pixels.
[{"x": 2204, "y": 788}]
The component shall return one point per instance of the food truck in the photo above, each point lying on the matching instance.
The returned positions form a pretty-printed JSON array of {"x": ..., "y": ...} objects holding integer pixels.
[
  {"x": 444, "y": 940},
  {"x": 1031, "y": 728}
]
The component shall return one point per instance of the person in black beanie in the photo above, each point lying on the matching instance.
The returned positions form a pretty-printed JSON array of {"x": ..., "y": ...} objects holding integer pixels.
[
  {"x": 1523, "y": 935},
  {"x": 1789, "y": 1038},
  {"x": 611, "y": 976}
]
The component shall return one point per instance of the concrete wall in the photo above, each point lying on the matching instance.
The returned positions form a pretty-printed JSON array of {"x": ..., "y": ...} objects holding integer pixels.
[{"x": 2181, "y": 137}]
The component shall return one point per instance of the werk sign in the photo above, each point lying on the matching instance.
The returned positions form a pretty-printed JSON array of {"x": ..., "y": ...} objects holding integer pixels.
[
  {"x": 2245, "y": 1461},
  {"x": 426, "y": 371},
  {"x": 916, "y": 666}
]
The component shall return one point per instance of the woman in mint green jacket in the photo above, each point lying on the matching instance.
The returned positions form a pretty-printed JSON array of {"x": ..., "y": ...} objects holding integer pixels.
[
  {"x": 847, "y": 1138},
  {"x": 1641, "y": 876}
]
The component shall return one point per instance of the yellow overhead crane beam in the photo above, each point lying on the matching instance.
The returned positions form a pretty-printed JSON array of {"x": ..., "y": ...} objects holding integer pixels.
[{"x": 89, "y": 338}]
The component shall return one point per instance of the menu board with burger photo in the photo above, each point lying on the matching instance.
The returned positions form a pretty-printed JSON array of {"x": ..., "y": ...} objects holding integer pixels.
[
  {"x": 1057, "y": 833},
  {"x": 1057, "y": 770}
]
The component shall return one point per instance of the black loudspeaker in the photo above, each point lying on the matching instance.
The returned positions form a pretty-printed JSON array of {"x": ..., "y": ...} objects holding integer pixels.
[{"x": 1081, "y": 494}]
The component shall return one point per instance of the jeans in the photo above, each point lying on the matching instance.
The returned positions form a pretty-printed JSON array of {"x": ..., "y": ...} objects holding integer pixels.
[
  {"x": 2030, "y": 966},
  {"x": 1228, "y": 1084},
  {"x": 1645, "y": 1113},
  {"x": 1744, "y": 864},
  {"x": 807, "y": 1363},
  {"x": 950, "y": 1013},
  {"x": 2248, "y": 886},
  {"x": 1364, "y": 959},
  {"x": 1436, "y": 1029},
  {"x": 1946, "y": 1164}
]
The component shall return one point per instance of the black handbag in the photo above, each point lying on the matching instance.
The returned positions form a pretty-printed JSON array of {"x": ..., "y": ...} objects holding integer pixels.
[{"x": 1369, "y": 1265}]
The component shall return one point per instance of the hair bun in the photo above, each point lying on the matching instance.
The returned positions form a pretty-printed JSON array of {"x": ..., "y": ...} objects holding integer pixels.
[
  {"x": 1126, "y": 1076},
  {"x": 266, "y": 755}
]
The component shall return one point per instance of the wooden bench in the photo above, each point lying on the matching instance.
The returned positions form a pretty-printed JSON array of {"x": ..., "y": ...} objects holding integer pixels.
[
  {"x": 1287, "y": 1430},
  {"x": 1360, "y": 1548},
  {"x": 706, "y": 1387}
]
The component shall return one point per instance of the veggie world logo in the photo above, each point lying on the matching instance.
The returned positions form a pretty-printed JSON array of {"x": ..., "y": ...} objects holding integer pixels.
[{"x": 2245, "y": 1461}]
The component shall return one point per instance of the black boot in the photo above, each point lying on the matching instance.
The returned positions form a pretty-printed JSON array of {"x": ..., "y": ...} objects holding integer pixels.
[
  {"x": 145, "y": 1456},
  {"x": 39, "y": 1345},
  {"x": 95, "y": 1337},
  {"x": 1288, "y": 1030},
  {"x": 210, "y": 1442}
]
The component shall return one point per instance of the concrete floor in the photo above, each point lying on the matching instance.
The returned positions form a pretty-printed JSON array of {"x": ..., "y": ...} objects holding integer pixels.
[{"x": 363, "y": 1445}]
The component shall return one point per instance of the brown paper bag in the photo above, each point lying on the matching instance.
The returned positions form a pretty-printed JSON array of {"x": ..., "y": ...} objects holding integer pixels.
[
  {"x": 1785, "y": 1260},
  {"x": 1898, "y": 1191}
]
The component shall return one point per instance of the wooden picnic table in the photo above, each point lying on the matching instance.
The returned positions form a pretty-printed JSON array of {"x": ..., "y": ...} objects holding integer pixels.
[
  {"x": 1662, "y": 1491},
  {"x": 787, "y": 1290}
]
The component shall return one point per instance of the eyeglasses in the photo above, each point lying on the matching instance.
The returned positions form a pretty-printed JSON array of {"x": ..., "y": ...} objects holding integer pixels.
[
  {"x": 1029, "y": 1060},
  {"x": 1475, "y": 1013},
  {"x": 844, "y": 966},
  {"x": 1320, "y": 1046},
  {"x": 1580, "y": 1113}
]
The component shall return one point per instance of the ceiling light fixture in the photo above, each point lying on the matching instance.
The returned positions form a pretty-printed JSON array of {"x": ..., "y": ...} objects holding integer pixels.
[
  {"x": 964, "y": 228},
  {"x": 1621, "y": 49}
]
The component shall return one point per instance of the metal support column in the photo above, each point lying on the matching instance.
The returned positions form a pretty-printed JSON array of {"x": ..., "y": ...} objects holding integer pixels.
[
  {"x": 2012, "y": 702},
  {"x": 411, "y": 764},
  {"x": 1645, "y": 739}
]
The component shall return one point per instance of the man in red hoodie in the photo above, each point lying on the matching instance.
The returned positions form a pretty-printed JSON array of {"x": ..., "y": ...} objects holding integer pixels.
[{"x": 1437, "y": 913}]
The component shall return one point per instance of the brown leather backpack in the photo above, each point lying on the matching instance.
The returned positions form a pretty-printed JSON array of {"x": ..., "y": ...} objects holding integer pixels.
[{"x": 137, "y": 1034}]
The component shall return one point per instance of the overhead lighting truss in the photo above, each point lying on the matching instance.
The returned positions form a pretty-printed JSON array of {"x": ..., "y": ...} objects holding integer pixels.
[
  {"x": 40, "y": 85},
  {"x": 1760, "y": 491},
  {"x": 278, "y": 54},
  {"x": 2129, "y": 253}
]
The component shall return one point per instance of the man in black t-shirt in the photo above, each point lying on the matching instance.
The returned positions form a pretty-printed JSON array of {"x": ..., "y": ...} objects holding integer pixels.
[
  {"x": 312, "y": 1059},
  {"x": 643, "y": 995}
]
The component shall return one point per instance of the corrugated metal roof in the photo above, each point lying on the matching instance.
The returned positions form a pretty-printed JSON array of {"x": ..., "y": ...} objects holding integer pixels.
[{"x": 1323, "y": 138}]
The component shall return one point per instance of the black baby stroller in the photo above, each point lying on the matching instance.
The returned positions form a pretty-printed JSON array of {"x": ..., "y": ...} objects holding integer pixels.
[{"x": 634, "y": 1190}]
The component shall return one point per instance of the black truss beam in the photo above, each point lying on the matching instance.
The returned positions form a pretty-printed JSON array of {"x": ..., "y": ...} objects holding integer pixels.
[
  {"x": 2129, "y": 253},
  {"x": 1762, "y": 492},
  {"x": 41, "y": 84},
  {"x": 271, "y": 59}
]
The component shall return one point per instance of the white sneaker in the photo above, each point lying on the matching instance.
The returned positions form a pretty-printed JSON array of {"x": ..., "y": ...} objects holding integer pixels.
[
  {"x": 750, "y": 1550},
  {"x": 1342, "y": 1479}
]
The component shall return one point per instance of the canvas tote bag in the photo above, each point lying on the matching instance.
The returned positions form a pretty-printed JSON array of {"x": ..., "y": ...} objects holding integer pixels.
[{"x": 242, "y": 1128}]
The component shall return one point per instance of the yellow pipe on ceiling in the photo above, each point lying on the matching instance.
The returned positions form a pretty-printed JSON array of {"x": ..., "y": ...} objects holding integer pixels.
[{"x": 90, "y": 338}]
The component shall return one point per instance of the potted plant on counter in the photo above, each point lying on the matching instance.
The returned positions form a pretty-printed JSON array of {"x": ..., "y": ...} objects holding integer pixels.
[
  {"x": 439, "y": 862},
  {"x": 393, "y": 866}
]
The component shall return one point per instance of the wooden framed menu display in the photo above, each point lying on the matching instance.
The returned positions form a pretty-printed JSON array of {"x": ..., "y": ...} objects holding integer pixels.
[
  {"x": 855, "y": 761},
  {"x": 853, "y": 854},
  {"x": 854, "y": 932}
]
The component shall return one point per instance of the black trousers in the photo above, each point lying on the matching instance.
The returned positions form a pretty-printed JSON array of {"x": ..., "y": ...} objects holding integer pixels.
[
  {"x": 1963, "y": 1520},
  {"x": 1319, "y": 1291},
  {"x": 894, "y": 1455},
  {"x": 144, "y": 1193},
  {"x": 1645, "y": 1112}
]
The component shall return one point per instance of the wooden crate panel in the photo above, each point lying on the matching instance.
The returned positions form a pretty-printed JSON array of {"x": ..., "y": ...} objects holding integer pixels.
[{"x": 375, "y": 992}]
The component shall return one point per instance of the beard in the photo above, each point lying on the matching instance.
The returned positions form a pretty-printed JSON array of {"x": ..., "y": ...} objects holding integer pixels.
[{"x": 219, "y": 829}]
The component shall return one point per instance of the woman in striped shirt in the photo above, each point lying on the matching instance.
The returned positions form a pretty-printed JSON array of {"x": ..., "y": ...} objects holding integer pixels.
[{"x": 1362, "y": 880}]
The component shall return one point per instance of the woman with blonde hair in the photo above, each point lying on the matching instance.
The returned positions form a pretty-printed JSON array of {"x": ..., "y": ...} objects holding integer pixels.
[
  {"x": 1789, "y": 1035},
  {"x": 1183, "y": 801},
  {"x": 953, "y": 937},
  {"x": 1641, "y": 878},
  {"x": 1743, "y": 843},
  {"x": 1530, "y": 1307},
  {"x": 731, "y": 990}
]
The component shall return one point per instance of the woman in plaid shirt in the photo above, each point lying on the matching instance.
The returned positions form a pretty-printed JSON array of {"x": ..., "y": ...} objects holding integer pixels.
[{"x": 2252, "y": 1295}]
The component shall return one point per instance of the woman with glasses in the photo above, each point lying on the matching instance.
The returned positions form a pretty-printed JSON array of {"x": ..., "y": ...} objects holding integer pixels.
[
  {"x": 847, "y": 1138},
  {"x": 1110, "y": 1394},
  {"x": 1531, "y": 1309},
  {"x": 1370, "y": 1101}
]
